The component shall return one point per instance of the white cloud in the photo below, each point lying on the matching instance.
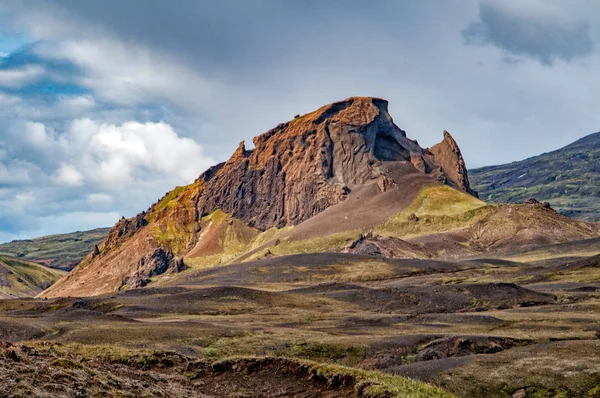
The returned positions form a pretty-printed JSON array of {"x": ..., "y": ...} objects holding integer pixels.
[
  {"x": 73, "y": 106},
  {"x": 13, "y": 78},
  {"x": 51, "y": 175},
  {"x": 127, "y": 74},
  {"x": 108, "y": 155},
  {"x": 68, "y": 175},
  {"x": 114, "y": 155},
  {"x": 35, "y": 134},
  {"x": 8, "y": 100},
  {"x": 99, "y": 199}
]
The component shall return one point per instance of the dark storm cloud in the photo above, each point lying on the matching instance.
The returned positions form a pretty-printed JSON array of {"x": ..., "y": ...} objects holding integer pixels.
[
  {"x": 240, "y": 35},
  {"x": 527, "y": 31}
]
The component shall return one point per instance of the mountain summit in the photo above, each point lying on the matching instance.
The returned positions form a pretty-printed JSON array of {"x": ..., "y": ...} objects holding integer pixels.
[
  {"x": 297, "y": 170},
  {"x": 304, "y": 166}
]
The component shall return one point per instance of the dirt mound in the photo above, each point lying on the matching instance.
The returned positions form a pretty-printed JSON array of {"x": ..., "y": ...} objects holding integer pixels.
[
  {"x": 385, "y": 246},
  {"x": 460, "y": 346},
  {"x": 19, "y": 330},
  {"x": 54, "y": 370},
  {"x": 315, "y": 268},
  {"x": 443, "y": 299},
  {"x": 85, "y": 315}
]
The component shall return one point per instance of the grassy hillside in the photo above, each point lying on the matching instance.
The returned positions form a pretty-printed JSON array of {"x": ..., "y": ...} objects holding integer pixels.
[
  {"x": 568, "y": 178},
  {"x": 19, "y": 278},
  {"x": 63, "y": 251}
]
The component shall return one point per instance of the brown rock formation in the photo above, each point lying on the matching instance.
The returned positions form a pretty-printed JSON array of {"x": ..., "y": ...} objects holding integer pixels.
[
  {"x": 296, "y": 170},
  {"x": 302, "y": 167},
  {"x": 447, "y": 154},
  {"x": 156, "y": 263},
  {"x": 385, "y": 246}
]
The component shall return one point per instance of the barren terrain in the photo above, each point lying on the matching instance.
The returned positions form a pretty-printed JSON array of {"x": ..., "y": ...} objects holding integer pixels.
[{"x": 473, "y": 327}]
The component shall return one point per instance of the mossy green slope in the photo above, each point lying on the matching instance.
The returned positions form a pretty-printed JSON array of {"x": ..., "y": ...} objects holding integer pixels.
[
  {"x": 62, "y": 251},
  {"x": 568, "y": 178},
  {"x": 19, "y": 278}
]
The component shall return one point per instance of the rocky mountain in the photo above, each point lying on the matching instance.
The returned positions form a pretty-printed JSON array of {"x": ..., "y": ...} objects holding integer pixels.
[
  {"x": 568, "y": 178},
  {"x": 315, "y": 184},
  {"x": 296, "y": 171},
  {"x": 62, "y": 251}
]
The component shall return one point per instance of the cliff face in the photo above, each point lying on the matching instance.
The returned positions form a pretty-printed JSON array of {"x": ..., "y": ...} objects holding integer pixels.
[
  {"x": 296, "y": 170},
  {"x": 304, "y": 166}
]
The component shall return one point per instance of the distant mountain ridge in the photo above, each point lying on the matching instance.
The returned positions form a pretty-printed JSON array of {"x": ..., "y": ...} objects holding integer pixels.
[
  {"x": 568, "y": 178},
  {"x": 61, "y": 251}
]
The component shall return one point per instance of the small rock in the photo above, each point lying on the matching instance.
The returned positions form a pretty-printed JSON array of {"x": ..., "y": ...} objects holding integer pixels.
[
  {"x": 12, "y": 355},
  {"x": 519, "y": 393}
]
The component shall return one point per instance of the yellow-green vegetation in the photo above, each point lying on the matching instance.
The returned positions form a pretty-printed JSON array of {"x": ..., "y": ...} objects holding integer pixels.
[
  {"x": 174, "y": 234},
  {"x": 20, "y": 278},
  {"x": 544, "y": 254},
  {"x": 224, "y": 239},
  {"x": 292, "y": 345},
  {"x": 438, "y": 208},
  {"x": 62, "y": 251},
  {"x": 221, "y": 240},
  {"x": 139, "y": 358},
  {"x": 168, "y": 201},
  {"x": 441, "y": 200},
  {"x": 228, "y": 238},
  {"x": 379, "y": 385},
  {"x": 270, "y": 234},
  {"x": 314, "y": 245},
  {"x": 551, "y": 370},
  {"x": 172, "y": 219}
]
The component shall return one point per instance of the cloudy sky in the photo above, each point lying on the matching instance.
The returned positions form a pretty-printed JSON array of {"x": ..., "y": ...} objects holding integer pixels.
[{"x": 106, "y": 105}]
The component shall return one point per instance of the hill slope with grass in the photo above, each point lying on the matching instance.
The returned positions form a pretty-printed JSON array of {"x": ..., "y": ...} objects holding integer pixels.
[
  {"x": 63, "y": 251},
  {"x": 568, "y": 178},
  {"x": 19, "y": 278}
]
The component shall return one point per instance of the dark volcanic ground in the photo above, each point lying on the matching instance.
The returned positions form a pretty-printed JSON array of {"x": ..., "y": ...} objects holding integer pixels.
[{"x": 452, "y": 323}]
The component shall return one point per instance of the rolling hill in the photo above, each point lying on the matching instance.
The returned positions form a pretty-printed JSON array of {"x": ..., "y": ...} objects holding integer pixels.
[
  {"x": 20, "y": 278},
  {"x": 568, "y": 178},
  {"x": 63, "y": 251}
]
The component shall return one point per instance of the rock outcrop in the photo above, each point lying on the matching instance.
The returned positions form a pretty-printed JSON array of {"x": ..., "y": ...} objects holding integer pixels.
[
  {"x": 452, "y": 165},
  {"x": 156, "y": 263},
  {"x": 385, "y": 246},
  {"x": 295, "y": 171},
  {"x": 304, "y": 166}
]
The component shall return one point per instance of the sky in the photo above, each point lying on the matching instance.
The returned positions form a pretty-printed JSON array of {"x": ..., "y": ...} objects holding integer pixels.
[{"x": 106, "y": 105}]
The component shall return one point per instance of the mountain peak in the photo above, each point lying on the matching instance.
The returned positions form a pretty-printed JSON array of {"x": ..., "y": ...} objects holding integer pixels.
[{"x": 297, "y": 170}]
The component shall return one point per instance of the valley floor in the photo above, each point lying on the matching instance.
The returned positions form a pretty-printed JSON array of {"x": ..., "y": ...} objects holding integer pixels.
[{"x": 329, "y": 324}]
